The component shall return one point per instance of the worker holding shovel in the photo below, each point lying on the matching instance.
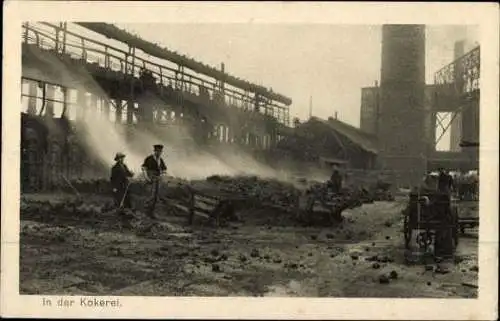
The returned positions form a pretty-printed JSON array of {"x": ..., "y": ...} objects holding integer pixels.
[
  {"x": 120, "y": 183},
  {"x": 154, "y": 168}
]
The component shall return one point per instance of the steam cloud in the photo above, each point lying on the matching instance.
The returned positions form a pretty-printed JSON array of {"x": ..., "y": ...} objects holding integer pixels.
[
  {"x": 185, "y": 159},
  {"x": 103, "y": 138}
]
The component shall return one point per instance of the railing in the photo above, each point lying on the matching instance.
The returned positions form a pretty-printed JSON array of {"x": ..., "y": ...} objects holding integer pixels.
[
  {"x": 463, "y": 73},
  {"x": 130, "y": 64}
]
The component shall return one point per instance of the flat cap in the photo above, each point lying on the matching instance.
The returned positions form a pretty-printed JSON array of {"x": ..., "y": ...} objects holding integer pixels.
[{"x": 119, "y": 155}]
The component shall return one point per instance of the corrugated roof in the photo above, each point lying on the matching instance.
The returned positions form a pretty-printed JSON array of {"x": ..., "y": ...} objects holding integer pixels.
[{"x": 355, "y": 135}]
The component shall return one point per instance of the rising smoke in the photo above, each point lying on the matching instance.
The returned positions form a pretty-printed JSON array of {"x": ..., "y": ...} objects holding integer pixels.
[{"x": 185, "y": 159}]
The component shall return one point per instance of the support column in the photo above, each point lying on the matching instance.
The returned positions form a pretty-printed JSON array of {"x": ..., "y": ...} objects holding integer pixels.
[
  {"x": 49, "y": 105},
  {"x": 146, "y": 110},
  {"x": 224, "y": 133},
  {"x": 66, "y": 105},
  {"x": 470, "y": 128},
  {"x": 130, "y": 112},
  {"x": 81, "y": 108},
  {"x": 33, "y": 93},
  {"x": 93, "y": 105},
  {"x": 118, "y": 110},
  {"x": 106, "y": 110}
]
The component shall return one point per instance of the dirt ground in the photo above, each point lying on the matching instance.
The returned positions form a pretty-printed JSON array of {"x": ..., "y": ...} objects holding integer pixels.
[{"x": 98, "y": 254}]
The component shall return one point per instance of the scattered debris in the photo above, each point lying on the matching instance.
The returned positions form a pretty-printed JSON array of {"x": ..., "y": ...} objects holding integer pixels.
[
  {"x": 441, "y": 270},
  {"x": 385, "y": 259},
  {"x": 470, "y": 285},
  {"x": 393, "y": 275},
  {"x": 227, "y": 257},
  {"x": 383, "y": 279}
]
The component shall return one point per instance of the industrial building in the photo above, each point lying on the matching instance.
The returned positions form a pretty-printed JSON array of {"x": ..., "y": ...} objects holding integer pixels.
[
  {"x": 67, "y": 76},
  {"x": 405, "y": 105}
]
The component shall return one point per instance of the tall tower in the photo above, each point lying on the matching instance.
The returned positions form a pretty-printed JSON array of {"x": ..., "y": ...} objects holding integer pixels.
[
  {"x": 456, "y": 125},
  {"x": 402, "y": 94}
]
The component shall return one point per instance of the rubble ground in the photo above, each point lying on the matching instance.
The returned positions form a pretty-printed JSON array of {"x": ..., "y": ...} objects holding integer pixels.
[{"x": 75, "y": 247}]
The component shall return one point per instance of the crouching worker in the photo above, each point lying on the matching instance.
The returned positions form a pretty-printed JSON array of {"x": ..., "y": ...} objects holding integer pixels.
[
  {"x": 153, "y": 168},
  {"x": 120, "y": 175}
]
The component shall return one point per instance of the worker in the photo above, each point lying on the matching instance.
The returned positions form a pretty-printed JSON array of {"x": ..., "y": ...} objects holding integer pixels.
[
  {"x": 153, "y": 168},
  {"x": 445, "y": 182},
  {"x": 429, "y": 182},
  {"x": 120, "y": 175},
  {"x": 335, "y": 183},
  {"x": 443, "y": 239}
]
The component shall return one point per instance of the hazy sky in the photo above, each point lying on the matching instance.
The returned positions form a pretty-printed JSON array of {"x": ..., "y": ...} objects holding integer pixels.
[{"x": 329, "y": 62}]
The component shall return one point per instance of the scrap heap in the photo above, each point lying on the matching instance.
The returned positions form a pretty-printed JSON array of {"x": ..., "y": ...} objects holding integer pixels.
[{"x": 305, "y": 203}]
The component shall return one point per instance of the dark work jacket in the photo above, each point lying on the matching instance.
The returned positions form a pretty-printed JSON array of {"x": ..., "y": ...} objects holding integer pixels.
[
  {"x": 120, "y": 175},
  {"x": 445, "y": 182},
  {"x": 152, "y": 166},
  {"x": 335, "y": 182}
]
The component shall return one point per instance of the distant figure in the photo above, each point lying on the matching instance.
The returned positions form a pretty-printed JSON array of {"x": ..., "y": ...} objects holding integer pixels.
[
  {"x": 120, "y": 175},
  {"x": 430, "y": 181},
  {"x": 335, "y": 183},
  {"x": 445, "y": 182},
  {"x": 468, "y": 185},
  {"x": 153, "y": 168}
]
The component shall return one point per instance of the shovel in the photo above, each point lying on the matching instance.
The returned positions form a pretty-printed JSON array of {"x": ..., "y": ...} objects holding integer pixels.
[
  {"x": 123, "y": 197},
  {"x": 72, "y": 187}
]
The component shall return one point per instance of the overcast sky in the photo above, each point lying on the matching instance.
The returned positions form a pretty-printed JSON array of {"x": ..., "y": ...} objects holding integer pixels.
[{"x": 329, "y": 62}]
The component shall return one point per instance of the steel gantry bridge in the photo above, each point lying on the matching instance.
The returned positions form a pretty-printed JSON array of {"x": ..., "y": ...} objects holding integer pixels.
[
  {"x": 123, "y": 74},
  {"x": 457, "y": 93},
  {"x": 73, "y": 70}
]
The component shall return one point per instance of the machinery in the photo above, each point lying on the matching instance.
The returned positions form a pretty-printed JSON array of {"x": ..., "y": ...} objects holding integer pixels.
[{"x": 433, "y": 216}]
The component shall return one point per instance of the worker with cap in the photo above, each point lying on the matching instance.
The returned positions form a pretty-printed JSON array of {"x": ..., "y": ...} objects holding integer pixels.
[
  {"x": 153, "y": 168},
  {"x": 120, "y": 175}
]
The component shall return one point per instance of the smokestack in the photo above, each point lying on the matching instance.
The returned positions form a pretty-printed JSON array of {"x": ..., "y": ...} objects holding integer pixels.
[
  {"x": 310, "y": 106},
  {"x": 336, "y": 114},
  {"x": 459, "y": 48},
  {"x": 376, "y": 83},
  {"x": 222, "y": 69},
  {"x": 401, "y": 134}
]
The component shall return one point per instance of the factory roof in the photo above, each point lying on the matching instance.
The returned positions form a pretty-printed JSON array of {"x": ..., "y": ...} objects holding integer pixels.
[{"x": 355, "y": 135}]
